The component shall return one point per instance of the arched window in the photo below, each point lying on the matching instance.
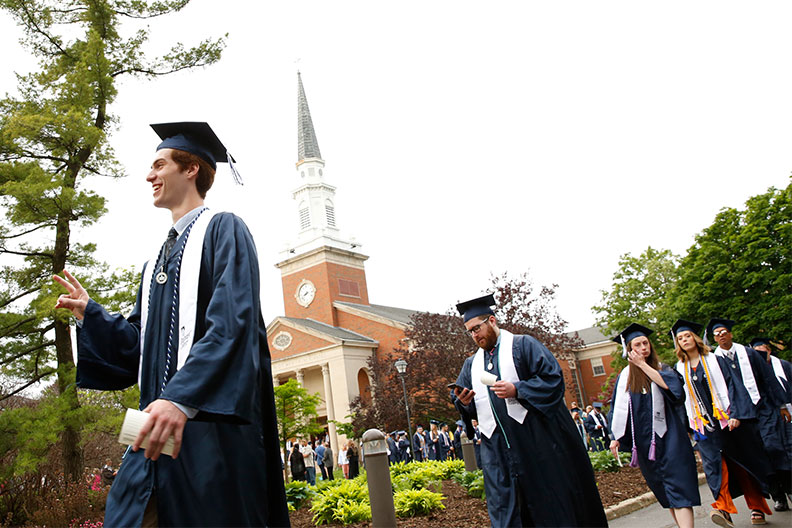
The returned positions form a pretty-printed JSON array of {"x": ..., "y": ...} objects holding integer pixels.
[{"x": 364, "y": 385}]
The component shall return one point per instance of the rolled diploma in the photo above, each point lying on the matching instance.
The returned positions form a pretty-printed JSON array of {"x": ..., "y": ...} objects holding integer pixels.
[
  {"x": 133, "y": 423},
  {"x": 488, "y": 379}
]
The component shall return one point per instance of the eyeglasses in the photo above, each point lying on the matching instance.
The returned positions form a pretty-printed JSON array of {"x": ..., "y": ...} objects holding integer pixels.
[
  {"x": 719, "y": 333},
  {"x": 475, "y": 330}
]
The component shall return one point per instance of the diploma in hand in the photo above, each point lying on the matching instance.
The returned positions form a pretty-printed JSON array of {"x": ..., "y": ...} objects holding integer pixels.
[
  {"x": 488, "y": 378},
  {"x": 133, "y": 422}
]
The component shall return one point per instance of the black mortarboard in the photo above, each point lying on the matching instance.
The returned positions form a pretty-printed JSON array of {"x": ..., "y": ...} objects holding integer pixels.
[
  {"x": 460, "y": 423},
  {"x": 631, "y": 332},
  {"x": 475, "y": 307},
  {"x": 682, "y": 325},
  {"x": 757, "y": 341},
  {"x": 597, "y": 405},
  {"x": 433, "y": 421},
  {"x": 196, "y": 138},
  {"x": 716, "y": 322}
]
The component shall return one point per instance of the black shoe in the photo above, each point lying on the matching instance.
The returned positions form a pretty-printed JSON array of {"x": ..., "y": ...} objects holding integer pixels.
[{"x": 781, "y": 505}]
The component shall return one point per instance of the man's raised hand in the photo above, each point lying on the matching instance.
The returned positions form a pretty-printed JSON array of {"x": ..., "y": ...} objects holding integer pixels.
[{"x": 77, "y": 298}]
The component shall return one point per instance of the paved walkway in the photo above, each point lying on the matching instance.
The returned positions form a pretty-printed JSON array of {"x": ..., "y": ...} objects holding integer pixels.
[{"x": 654, "y": 516}]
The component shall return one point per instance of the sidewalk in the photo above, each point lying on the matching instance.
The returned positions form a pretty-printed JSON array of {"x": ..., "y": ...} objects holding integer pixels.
[{"x": 656, "y": 517}]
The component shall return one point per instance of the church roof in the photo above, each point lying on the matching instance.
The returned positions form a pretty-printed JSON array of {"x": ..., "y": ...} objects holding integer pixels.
[
  {"x": 332, "y": 331},
  {"x": 400, "y": 315},
  {"x": 307, "y": 145}
]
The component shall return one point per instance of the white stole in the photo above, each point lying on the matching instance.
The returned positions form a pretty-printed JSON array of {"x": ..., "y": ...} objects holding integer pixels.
[
  {"x": 745, "y": 370},
  {"x": 189, "y": 272},
  {"x": 718, "y": 384},
  {"x": 621, "y": 406},
  {"x": 508, "y": 372},
  {"x": 778, "y": 370}
]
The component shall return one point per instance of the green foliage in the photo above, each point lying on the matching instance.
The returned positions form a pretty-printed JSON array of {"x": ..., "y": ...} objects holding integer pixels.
[
  {"x": 296, "y": 412},
  {"x": 473, "y": 482},
  {"x": 740, "y": 267},
  {"x": 346, "y": 503},
  {"x": 641, "y": 287},
  {"x": 605, "y": 461},
  {"x": 409, "y": 503},
  {"x": 298, "y": 492},
  {"x": 345, "y": 428}
]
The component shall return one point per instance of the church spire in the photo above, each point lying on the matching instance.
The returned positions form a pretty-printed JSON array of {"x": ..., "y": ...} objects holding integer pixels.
[{"x": 307, "y": 145}]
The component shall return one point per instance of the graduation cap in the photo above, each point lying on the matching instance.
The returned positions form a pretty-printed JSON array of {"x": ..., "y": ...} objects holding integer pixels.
[
  {"x": 597, "y": 405},
  {"x": 683, "y": 325},
  {"x": 476, "y": 307},
  {"x": 630, "y": 333},
  {"x": 196, "y": 138},
  {"x": 460, "y": 423},
  {"x": 758, "y": 341},
  {"x": 434, "y": 422}
]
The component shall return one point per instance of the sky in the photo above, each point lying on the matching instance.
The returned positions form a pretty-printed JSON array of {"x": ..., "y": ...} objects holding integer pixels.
[{"x": 464, "y": 138}]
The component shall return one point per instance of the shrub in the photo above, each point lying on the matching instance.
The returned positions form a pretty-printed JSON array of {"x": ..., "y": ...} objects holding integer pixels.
[
  {"x": 605, "y": 461},
  {"x": 297, "y": 493},
  {"x": 410, "y": 503},
  {"x": 347, "y": 502},
  {"x": 472, "y": 481}
]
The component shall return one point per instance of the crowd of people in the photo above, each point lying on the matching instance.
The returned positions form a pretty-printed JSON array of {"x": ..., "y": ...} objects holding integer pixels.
[{"x": 304, "y": 458}]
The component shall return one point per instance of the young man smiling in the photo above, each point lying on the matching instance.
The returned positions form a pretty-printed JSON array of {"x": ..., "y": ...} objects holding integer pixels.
[{"x": 196, "y": 344}]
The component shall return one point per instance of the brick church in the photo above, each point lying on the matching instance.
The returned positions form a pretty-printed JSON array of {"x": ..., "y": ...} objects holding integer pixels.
[{"x": 329, "y": 328}]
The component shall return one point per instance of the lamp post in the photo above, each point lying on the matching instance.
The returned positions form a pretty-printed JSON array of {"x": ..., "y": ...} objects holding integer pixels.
[{"x": 401, "y": 368}]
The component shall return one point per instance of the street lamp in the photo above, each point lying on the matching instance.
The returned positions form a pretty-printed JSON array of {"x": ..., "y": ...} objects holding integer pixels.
[{"x": 401, "y": 368}]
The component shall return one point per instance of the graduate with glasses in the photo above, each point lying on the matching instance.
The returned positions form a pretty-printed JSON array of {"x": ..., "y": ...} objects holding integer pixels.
[
  {"x": 726, "y": 436},
  {"x": 643, "y": 421}
]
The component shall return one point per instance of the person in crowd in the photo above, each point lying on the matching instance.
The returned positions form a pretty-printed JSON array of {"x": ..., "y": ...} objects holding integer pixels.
[
  {"x": 108, "y": 473},
  {"x": 343, "y": 461},
  {"x": 536, "y": 470},
  {"x": 781, "y": 483},
  {"x": 205, "y": 382},
  {"x": 597, "y": 427},
  {"x": 404, "y": 447},
  {"x": 297, "y": 463},
  {"x": 393, "y": 448},
  {"x": 761, "y": 386},
  {"x": 573, "y": 408},
  {"x": 419, "y": 445},
  {"x": 726, "y": 436},
  {"x": 644, "y": 421},
  {"x": 328, "y": 460},
  {"x": 310, "y": 462},
  {"x": 444, "y": 442},
  {"x": 457, "y": 441},
  {"x": 434, "y": 440},
  {"x": 476, "y": 441},
  {"x": 353, "y": 457},
  {"x": 581, "y": 428},
  {"x": 319, "y": 450}
]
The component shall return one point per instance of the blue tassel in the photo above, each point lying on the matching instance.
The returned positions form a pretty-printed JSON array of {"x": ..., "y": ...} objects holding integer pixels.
[
  {"x": 698, "y": 437},
  {"x": 634, "y": 458}
]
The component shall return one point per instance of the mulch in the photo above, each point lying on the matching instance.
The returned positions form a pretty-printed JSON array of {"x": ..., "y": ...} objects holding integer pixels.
[{"x": 464, "y": 511}]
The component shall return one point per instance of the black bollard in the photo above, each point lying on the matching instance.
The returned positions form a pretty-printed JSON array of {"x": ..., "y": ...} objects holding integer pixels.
[{"x": 468, "y": 452}]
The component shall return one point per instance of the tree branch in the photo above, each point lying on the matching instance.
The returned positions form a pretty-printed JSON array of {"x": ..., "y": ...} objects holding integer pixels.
[
  {"x": 36, "y": 379},
  {"x": 8, "y": 360},
  {"x": 42, "y": 226}
]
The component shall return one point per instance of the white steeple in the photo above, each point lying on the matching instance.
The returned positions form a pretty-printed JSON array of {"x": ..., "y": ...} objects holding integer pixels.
[{"x": 314, "y": 198}]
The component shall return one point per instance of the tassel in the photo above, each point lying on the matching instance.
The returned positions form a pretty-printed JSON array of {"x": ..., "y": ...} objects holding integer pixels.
[
  {"x": 634, "y": 458},
  {"x": 652, "y": 449},
  {"x": 698, "y": 437},
  {"x": 624, "y": 347},
  {"x": 234, "y": 171}
]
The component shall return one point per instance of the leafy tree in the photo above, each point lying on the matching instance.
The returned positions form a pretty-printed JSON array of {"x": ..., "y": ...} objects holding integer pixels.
[
  {"x": 436, "y": 346},
  {"x": 295, "y": 409},
  {"x": 52, "y": 138},
  {"x": 640, "y": 291},
  {"x": 740, "y": 267}
]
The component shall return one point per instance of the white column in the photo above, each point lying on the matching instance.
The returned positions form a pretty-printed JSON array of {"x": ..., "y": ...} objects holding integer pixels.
[
  {"x": 275, "y": 381},
  {"x": 331, "y": 427},
  {"x": 300, "y": 378}
]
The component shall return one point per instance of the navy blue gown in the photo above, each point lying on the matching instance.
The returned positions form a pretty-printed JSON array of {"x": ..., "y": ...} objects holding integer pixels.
[
  {"x": 542, "y": 476},
  {"x": 672, "y": 475},
  {"x": 228, "y": 472},
  {"x": 767, "y": 411},
  {"x": 741, "y": 446}
]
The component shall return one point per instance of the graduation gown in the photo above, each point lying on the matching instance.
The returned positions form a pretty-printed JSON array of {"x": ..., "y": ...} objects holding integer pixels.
[
  {"x": 741, "y": 446},
  {"x": 228, "y": 472},
  {"x": 767, "y": 410},
  {"x": 672, "y": 475},
  {"x": 542, "y": 476}
]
